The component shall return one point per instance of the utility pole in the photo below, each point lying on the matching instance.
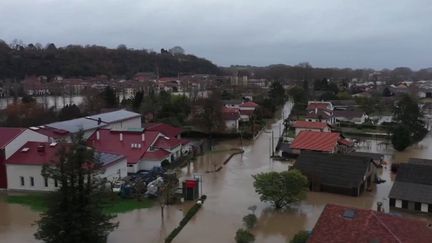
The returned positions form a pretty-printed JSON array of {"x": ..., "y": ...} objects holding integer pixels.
[{"x": 272, "y": 144}]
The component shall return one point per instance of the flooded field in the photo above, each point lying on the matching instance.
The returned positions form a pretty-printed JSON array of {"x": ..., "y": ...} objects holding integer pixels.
[{"x": 230, "y": 192}]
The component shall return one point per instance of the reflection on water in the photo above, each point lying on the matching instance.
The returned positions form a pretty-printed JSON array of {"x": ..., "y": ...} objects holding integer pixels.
[{"x": 230, "y": 192}]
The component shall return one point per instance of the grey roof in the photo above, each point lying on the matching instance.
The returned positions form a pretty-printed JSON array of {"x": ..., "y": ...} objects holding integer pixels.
[
  {"x": 74, "y": 125},
  {"x": 415, "y": 173},
  {"x": 420, "y": 161},
  {"x": 340, "y": 170},
  {"x": 374, "y": 156},
  {"x": 348, "y": 114},
  {"x": 411, "y": 192},
  {"x": 115, "y": 116},
  {"x": 414, "y": 181},
  {"x": 107, "y": 158},
  {"x": 343, "y": 102},
  {"x": 91, "y": 122}
]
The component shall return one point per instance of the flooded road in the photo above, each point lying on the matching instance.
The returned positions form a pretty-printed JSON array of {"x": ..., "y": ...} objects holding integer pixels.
[{"x": 229, "y": 193}]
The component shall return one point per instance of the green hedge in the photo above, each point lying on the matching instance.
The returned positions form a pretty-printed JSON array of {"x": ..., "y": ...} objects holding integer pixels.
[{"x": 192, "y": 211}]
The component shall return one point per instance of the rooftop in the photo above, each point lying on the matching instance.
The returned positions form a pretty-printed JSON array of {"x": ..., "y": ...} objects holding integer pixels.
[
  {"x": 131, "y": 145},
  {"x": 163, "y": 128},
  {"x": 32, "y": 154},
  {"x": 92, "y": 122},
  {"x": 413, "y": 181},
  {"x": 316, "y": 141},
  {"x": 8, "y": 134},
  {"x": 249, "y": 104},
  {"x": 340, "y": 170},
  {"x": 338, "y": 224},
  {"x": 311, "y": 125}
]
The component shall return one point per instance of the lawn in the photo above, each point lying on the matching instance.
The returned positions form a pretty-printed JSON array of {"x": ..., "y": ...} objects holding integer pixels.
[{"x": 114, "y": 205}]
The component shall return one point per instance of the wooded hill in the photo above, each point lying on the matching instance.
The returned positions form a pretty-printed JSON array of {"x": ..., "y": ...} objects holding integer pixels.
[{"x": 18, "y": 60}]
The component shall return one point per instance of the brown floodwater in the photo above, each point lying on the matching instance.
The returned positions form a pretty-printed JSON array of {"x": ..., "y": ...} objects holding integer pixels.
[{"x": 229, "y": 195}]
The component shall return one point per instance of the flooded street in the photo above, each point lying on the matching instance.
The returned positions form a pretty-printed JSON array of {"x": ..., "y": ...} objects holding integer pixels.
[{"x": 229, "y": 193}]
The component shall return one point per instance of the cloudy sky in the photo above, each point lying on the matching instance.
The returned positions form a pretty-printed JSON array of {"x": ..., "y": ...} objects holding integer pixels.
[{"x": 326, "y": 33}]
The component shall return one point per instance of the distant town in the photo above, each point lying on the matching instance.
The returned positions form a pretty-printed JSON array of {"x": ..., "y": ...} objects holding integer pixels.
[{"x": 338, "y": 155}]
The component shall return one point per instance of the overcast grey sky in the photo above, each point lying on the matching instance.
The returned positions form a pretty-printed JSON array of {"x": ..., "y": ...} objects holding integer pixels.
[{"x": 326, "y": 33}]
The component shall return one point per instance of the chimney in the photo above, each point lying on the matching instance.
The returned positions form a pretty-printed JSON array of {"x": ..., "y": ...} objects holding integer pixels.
[
  {"x": 99, "y": 121},
  {"x": 121, "y": 136},
  {"x": 379, "y": 207},
  {"x": 316, "y": 110},
  {"x": 97, "y": 135},
  {"x": 143, "y": 137}
]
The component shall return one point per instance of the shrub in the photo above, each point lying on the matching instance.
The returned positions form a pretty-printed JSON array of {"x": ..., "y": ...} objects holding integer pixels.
[
  {"x": 244, "y": 236},
  {"x": 250, "y": 221}
]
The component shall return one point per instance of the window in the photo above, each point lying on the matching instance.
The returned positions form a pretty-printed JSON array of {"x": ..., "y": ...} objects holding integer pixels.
[
  {"x": 398, "y": 204},
  {"x": 31, "y": 181},
  {"x": 46, "y": 181},
  {"x": 130, "y": 165},
  {"x": 55, "y": 183},
  {"x": 392, "y": 202},
  {"x": 22, "y": 181},
  {"x": 424, "y": 207}
]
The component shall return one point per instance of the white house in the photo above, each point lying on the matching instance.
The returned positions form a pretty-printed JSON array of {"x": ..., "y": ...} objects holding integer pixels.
[
  {"x": 11, "y": 139},
  {"x": 24, "y": 167},
  {"x": 247, "y": 109},
  {"x": 231, "y": 117},
  {"x": 121, "y": 119},
  {"x": 356, "y": 117}
]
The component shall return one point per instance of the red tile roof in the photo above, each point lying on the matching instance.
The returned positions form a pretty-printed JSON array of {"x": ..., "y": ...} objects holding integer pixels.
[
  {"x": 249, "y": 104},
  {"x": 230, "y": 114},
  {"x": 7, "y": 134},
  {"x": 316, "y": 141},
  {"x": 33, "y": 156},
  {"x": 367, "y": 226},
  {"x": 165, "y": 129},
  {"x": 312, "y": 125},
  {"x": 318, "y": 105},
  {"x": 167, "y": 143},
  {"x": 109, "y": 142}
]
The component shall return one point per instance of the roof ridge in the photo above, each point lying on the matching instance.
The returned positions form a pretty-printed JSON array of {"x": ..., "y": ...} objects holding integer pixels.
[{"x": 387, "y": 228}]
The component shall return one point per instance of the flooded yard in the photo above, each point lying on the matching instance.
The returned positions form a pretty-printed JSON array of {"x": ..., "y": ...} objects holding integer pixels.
[{"x": 230, "y": 192}]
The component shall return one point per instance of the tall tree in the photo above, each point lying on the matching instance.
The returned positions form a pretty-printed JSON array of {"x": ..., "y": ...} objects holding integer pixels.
[
  {"x": 110, "y": 97},
  {"x": 281, "y": 189},
  {"x": 410, "y": 127},
  {"x": 277, "y": 93},
  {"x": 75, "y": 210}
]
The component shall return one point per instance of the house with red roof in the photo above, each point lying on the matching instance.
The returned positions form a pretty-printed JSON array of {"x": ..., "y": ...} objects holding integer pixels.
[
  {"x": 143, "y": 149},
  {"x": 320, "y": 111},
  {"x": 247, "y": 109},
  {"x": 165, "y": 129},
  {"x": 326, "y": 142},
  {"x": 231, "y": 117},
  {"x": 310, "y": 126},
  {"x": 24, "y": 167},
  {"x": 339, "y": 224},
  {"x": 11, "y": 139}
]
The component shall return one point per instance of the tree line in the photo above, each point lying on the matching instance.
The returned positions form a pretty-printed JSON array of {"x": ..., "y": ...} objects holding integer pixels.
[
  {"x": 304, "y": 71},
  {"x": 18, "y": 60}
]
